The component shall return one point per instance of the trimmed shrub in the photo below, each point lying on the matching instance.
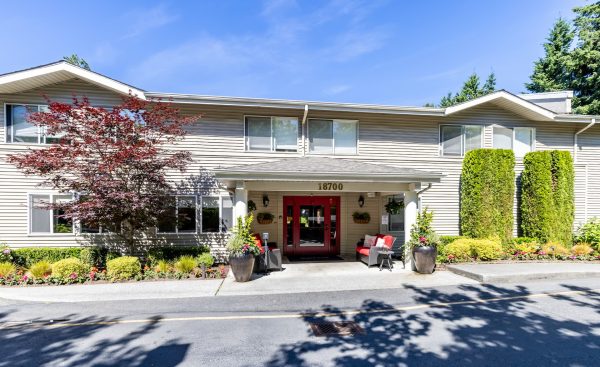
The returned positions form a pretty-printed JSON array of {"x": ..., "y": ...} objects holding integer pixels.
[
  {"x": 7, "y": 269},
  {"x": 524, "y": 245},
  {"x": 486, "y": 249},
  {"x": 582, "y": 249},
  {"x": 93, "y": 256},
  {"x": 28, "y": 256},
  {"x": 460, "y": 250},
  {"x": 64, "y": 268},
  {"x": 206, "y": 259},
  {"x": 171, "y": 253},
  {"x": 41, "y": 269},
  {"x": 185, "y": 264},
  {"x": 547, "y": 196},
  {"x": 487, "y": 191},
  {"x": 123, "y": 268},
  {"x": 590, "y": 233}
]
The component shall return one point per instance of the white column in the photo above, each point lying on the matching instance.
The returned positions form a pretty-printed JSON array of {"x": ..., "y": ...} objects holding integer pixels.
[
  {"x": 410, "y": 218},
  {"x": 241, "y": 201}
]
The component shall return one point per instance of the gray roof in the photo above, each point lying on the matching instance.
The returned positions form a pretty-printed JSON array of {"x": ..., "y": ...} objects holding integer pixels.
[{"x": 319, "y": 168}]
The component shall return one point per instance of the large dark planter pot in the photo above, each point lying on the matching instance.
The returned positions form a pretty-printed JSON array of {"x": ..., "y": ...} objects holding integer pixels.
[
  {"x": 242, "y": 266},
  {"x": 424, "y": 259}
]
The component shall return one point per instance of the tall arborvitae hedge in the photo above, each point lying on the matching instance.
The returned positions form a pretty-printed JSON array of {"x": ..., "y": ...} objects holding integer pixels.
[
  {"x": 547, "y": 196},
  {"x": 487, "y": 193}
]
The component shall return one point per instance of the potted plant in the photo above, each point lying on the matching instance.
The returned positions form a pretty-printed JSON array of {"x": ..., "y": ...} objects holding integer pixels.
[
  {"x": 361, "y": 218},
  {"x": 394, "y": 206},
  {"x": 423, "y": 243},
  {"x": 264, "y": 218},
  {"x": 242, "y": 250}
]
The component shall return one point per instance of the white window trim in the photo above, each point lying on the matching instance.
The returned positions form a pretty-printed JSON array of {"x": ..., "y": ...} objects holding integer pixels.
[
  {"x": 177, "y": 216},
  {"x": 51, "y": 195},
  {"x": 272, "y": 149},
  {"x": 462, "y": 139},
  {"x": 533, "y": 137},
  {"x": 332, "y": 137},
  {"x": 12, "y": 132}
]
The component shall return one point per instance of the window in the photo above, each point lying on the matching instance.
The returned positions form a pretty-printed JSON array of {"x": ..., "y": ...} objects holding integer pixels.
[
  {"x": 519, "y": 139},
  {"x": 19, "y": 130},
  {"x": 180, "y": 215},
  {"x": 216, "y": 214},
  {"x": 45, "y": 221},
  {"x": 456, "y": 140},
  {"x": 279, "y": 134},
  {"x": 396, "y": 221},
  {"x": 332, "y": 136}
]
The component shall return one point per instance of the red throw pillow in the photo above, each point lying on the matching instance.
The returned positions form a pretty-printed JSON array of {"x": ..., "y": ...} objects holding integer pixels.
[{"x": 258, "y": 242}]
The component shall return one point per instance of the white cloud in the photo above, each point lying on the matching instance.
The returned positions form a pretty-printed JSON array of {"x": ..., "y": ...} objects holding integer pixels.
[
  {"x": 336, "y": 89},
  {"x": 147, "y": 19}
]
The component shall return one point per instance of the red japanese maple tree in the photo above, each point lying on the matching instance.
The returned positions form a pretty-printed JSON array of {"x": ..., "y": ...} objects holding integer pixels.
[{"x": 114, "y": 161}]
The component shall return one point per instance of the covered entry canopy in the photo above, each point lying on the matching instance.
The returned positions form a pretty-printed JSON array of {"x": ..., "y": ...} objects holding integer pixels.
[{"x": 324, "y": 169}]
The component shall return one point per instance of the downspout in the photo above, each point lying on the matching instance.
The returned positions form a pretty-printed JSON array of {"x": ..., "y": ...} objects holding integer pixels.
[
  {"x": 575, "y": 142},
  {"x": 419, "y": 194},
  {"x": 303, "y": 124}
]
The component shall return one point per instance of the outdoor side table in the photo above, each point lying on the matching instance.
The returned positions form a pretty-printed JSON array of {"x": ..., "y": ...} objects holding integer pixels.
[{"x": 386, "y": 257}]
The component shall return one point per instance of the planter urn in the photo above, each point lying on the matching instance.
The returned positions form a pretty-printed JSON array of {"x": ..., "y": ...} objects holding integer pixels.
[
  {"x": 242, "y": 266},
  {"x": 424, "y": 259}
]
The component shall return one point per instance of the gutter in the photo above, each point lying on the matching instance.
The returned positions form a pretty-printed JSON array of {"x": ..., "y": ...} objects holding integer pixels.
[
  {"x": 575, "y": 139},
  {"x": 419, "y": 194},
  {"x": 303, "y": 124}
]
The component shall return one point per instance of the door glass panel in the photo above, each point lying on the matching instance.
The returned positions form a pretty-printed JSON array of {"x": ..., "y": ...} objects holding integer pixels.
[
  {"x": 333, "y": 225},
  {"x": 312, "y": 225},
  {"x": 289, "y": 222}
]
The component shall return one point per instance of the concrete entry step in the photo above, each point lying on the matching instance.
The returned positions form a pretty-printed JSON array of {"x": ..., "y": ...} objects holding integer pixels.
[{"x": 516, "y": 272}]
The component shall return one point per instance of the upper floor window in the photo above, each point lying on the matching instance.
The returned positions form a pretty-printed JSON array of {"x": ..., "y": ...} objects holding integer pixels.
[
  {"x": 456, "y": 140},
  {"x": 19, "y": 130},
  {"x": 332, "y": 136},
  {"x": 45, "y": 221},
  {"x": 272, "y": 134},
  {"x": 519, "y": 139}
]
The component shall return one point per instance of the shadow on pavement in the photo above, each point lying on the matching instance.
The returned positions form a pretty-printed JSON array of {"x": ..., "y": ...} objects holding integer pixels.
[
  {"x": 37, "y": 345},
  {"x": 512, "y": 332}
]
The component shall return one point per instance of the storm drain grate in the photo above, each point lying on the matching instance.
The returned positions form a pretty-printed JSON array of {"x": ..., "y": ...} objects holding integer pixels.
[{"x": 332, "y": 328}]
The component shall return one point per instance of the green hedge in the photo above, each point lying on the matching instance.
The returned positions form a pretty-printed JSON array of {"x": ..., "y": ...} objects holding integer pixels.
[
  {"x": 170, "y": 253},
  {"x": 28, "y": 256},
  {"x": 547, "y": 196},
  {"x": 487, "y": 191}
]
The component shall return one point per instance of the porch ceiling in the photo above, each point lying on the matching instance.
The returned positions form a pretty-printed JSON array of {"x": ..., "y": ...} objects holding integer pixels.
[{"x": 325, "y": 169}]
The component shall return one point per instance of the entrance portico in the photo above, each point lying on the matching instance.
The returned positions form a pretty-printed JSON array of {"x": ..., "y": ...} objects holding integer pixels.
[{"x": 312, "y": 200}]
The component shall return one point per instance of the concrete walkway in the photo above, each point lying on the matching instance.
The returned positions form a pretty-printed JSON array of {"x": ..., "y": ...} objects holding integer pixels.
[{"x": 518, "y": 272}]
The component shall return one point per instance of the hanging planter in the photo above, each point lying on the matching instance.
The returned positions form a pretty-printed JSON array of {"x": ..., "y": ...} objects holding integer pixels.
[
  {"x": 264, "y": 218},
  {"x": 361, "y": 218},
  {"x": 394, "y": 206},
  {"x": 251, "y": 206}
]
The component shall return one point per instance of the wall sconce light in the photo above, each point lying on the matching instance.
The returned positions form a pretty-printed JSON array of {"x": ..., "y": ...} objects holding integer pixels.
[
  {"x": 265, "y": 201},
  {"x": 361, "y": 201}
]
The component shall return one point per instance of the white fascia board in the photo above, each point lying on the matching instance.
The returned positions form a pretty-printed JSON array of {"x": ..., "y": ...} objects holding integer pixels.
[
  {"x": 520, "y": 102},
  {"x": 78, "y": 72},
  {"x": 294, "y": 104}
]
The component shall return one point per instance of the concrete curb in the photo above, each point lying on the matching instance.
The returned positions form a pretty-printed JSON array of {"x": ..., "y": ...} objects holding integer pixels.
[{"x": 491, "y": 277}]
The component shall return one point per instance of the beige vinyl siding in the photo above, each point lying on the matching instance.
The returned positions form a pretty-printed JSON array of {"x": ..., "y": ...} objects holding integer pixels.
[{"x": 217, "y": 140}]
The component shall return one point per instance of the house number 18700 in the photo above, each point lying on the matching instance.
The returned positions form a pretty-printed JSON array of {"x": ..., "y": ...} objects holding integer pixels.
[{"x": 329, "y": 186}]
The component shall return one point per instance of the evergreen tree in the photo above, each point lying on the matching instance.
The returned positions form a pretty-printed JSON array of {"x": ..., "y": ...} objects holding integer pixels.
[
  {"x": 471, "y": 89},
  {"x": 586, "y": 60},
  {"x": 552, "y": 72},
  {"x": 77, "y": 61}
]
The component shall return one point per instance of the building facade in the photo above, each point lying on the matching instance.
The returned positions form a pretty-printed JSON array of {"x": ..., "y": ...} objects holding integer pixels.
[{"x": 310, "y": 165}]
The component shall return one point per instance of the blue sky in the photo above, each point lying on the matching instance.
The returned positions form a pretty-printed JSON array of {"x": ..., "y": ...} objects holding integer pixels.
[{"x": 371, "y": 51}]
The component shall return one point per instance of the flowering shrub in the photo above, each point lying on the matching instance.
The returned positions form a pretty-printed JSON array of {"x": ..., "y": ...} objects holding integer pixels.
[
  {"x": 242, "y": 242},
  {"x": 422, "y": 233},
  {"x": 5, "y": 253},
  {"x": 67, "y": 267}
]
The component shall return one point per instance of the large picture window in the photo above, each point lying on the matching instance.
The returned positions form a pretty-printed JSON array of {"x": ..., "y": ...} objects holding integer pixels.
[
  {"x": 19, "y": 130},
  {"x": 519, "y": 139},
  {"x": 278, "y": 134},
  {"x": 181, "y": 214},
  {"x": 457, "y": 140},
  {"x": 332, "y": 136},
  {"x": 45, "y": 221}
]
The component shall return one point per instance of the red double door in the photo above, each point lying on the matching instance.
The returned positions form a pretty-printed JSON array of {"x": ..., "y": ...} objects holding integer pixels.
[{"x": 311, "y": 226}]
